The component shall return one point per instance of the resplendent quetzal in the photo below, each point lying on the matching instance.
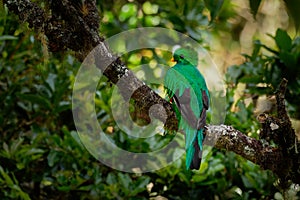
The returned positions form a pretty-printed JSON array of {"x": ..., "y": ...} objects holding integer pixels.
[{"x": 188, "y": 93}]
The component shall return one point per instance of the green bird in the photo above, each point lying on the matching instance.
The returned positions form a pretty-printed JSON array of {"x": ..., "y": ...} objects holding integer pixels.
[{"x": 187, "y": 91}]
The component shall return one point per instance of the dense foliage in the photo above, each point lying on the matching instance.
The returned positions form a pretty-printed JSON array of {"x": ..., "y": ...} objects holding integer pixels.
[
  {"x": 262, "y": 72},
  {"x": 41, "y": 155}
]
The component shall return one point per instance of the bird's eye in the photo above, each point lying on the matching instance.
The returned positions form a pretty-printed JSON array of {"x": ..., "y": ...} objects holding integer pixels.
[{"x": 181, "y": 56}]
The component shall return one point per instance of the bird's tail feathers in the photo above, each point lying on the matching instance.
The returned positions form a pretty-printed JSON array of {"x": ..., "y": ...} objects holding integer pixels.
[{"x": 194, "y": 152}]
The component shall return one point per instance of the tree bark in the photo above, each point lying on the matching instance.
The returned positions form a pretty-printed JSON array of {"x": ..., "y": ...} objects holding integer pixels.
[{"x": 72, "y": 25}]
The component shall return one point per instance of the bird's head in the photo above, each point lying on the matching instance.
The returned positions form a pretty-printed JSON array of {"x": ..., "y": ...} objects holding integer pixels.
[{"x": 185, "y": 56}]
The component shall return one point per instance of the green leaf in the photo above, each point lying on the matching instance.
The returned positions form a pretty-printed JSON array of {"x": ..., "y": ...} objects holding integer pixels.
[
  {"x": 288, "y": 59},
  {"x": 34, "y": 151},
  {"x": 124, "y": 179},
  {"x": 36, "y": 99},
  {"x": 5, "y": 152},
  {"x": 234, "y": 73},
  {"x": 13, "y": 184},
  {"x": 76, "y": 137},
  {"x": 248, "y": 181},
  {"x": 141, "y": 184},
  {"x": 52, "y": 158},
  {"x": 283, "y": 40},
  {"x": 250, "y": 79},
  {"x": 199, "y": 177},
  {"x": 6, "y": 177},
  {"x": 254, "y": 5},
  {"x": 293, "y": 7},
  {"x": 214, "y": 6},
  {"x": 51, "y": 81},
  {"x": 15, "y": 145},
  {"x": 64, "y": 188},
  {"x": 256, "y": 49},
  {"x": 111, "y": 179},
  {"x": 183, "y": 177}
]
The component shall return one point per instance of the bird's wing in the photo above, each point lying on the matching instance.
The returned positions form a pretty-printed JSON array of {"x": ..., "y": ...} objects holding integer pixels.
[
  {"x": 202, "y": 120},
  {"x": 189, "y": 124},
  {"x": 183, "y": 103}
]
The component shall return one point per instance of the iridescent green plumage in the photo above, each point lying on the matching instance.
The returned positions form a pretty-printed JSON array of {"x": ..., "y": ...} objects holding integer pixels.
[{"x": 187, "y": 90}]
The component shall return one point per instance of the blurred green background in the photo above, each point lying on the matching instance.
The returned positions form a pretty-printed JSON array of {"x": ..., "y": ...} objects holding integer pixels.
[{"x": 41, "y": 156}]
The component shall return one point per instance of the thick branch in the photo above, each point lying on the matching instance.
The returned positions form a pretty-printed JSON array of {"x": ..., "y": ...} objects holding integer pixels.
[
  {"x": 286, "y": 167},
  {"x": 226, "y": 137}
]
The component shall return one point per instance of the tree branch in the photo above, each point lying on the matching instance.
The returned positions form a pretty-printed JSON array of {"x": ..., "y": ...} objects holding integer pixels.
[
  {"x": 226, "y": 137},
  {"x": 266, "y": 156},
  {"x": 72, "y": 25}
]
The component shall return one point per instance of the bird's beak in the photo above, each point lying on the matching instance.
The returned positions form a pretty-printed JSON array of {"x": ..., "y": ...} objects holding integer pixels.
[{"x": 173, "y": 60}]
